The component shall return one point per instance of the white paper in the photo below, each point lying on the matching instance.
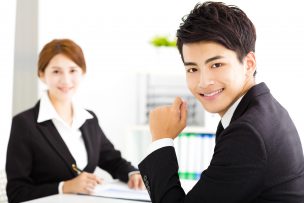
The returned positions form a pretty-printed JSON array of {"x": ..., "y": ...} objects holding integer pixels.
[{"x": 120, "y": 190}]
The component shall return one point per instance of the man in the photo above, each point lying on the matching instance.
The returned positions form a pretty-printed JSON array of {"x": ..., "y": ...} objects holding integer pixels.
[{"x": 258, "y": 155}]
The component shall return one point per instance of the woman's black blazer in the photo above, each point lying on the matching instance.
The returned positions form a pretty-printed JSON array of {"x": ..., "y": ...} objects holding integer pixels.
[{"x": 38, "y": 158}]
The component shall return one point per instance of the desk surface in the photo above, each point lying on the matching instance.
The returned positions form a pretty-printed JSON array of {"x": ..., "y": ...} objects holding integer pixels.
[{"x": 69, "y": 198}]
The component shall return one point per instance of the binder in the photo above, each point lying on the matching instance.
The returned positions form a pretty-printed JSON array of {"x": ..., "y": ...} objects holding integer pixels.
[{"x": 194, "y": 152}]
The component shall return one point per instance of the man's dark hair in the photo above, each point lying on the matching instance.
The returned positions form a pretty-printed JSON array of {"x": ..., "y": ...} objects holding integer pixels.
[{"x": 220, "y": 23}]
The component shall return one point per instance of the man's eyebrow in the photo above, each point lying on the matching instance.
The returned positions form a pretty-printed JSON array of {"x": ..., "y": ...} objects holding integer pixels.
[
  {"x": 207, "y": 61},
  {"x": 213, "y": 58},
  {"x": 190, "y": 64}
]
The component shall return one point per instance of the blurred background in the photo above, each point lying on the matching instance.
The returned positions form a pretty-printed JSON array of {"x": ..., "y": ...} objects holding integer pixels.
[{"x": 126, "y": 74}]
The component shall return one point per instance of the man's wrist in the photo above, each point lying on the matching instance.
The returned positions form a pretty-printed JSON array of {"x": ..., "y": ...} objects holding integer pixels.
[{"x": 155, "y": 145}]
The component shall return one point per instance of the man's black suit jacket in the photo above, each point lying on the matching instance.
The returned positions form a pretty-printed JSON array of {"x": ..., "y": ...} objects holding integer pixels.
[
  {"x": 257, "y": 158},
  {"x": 38, "y": 159}
]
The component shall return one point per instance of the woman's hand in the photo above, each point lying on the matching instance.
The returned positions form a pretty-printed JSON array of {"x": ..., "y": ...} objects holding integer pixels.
[
  {"x": 136, "y": 182},
  {"x": 82, "y": 184},
  {"x": 168, "y": 121}
]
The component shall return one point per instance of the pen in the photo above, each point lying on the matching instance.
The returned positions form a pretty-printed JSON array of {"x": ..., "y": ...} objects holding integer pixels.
[{"x": 77, "y": 170}]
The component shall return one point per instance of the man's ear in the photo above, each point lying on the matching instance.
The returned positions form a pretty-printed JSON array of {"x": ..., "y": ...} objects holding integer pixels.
[{"x": 250, "y": 63}]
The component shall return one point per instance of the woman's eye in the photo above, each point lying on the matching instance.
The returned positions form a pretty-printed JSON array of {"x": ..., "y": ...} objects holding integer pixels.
[
  {"x": 191, "y": 70},
  {"x": 55, "y": 71},
  {"x": 216, "y": 65},
  {"x": 75, "y": 70}
]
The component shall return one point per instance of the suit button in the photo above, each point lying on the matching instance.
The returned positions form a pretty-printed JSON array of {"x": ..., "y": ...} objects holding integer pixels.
[{"x": 145, "y": 177}]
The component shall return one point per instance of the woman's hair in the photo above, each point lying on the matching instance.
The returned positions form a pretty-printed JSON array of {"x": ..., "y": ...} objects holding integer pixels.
[
  {"x": 61, "y": 46},
  {"x": 217, "y": 22}
]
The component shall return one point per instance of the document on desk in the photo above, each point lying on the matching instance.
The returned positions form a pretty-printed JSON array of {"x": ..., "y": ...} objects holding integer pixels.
[{"x": 120, "y": 190}]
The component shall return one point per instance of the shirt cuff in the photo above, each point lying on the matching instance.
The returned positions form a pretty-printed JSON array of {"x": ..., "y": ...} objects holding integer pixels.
[
  {"x": 165, "y": 142},
  {"x": 133, "y": 172},
  {"x": 60, "y": 187}
]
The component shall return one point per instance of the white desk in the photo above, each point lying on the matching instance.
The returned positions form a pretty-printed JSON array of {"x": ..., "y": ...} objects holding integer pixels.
[
  {"x": 65, "y": 198},
  {"x": 69, "y": 198}
]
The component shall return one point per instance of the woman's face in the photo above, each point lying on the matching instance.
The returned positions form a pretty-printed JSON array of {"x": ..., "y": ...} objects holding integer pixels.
[{"x": 62, "y": 77}]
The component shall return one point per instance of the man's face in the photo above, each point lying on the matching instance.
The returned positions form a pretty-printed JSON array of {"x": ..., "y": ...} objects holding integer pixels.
[{"x": 215, "y": 76}]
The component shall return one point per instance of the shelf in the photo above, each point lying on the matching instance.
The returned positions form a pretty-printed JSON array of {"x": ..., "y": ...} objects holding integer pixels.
[
  {"x": 190, "y": 129},
  {"x": 194, "y": 148}
]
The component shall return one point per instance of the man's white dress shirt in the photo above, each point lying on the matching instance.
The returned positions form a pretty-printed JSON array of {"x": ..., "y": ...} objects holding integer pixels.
[{"x": 165, "y": 142}]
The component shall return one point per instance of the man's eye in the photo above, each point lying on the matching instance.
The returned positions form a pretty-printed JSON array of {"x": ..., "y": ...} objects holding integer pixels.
[
  {"x": 191, "y": 70},
  {"x": 216, "y": 65}
]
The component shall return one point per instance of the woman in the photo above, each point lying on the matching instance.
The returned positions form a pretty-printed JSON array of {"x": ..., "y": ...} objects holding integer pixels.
[{"x": 55, "y": 146}]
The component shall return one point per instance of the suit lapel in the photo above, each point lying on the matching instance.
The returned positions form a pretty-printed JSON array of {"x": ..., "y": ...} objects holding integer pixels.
[
  {"x": 53, "y": 137},
  {"x": 85, "y": 130},
  {"x": 255, "y": 91},
  {"x": 50, "y": 133}
]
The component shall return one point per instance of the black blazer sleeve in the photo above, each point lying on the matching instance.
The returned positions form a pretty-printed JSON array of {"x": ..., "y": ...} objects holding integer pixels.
[
  {"x": 110, "y": 159},
  {"x": 234, "y": 174},
  {"x": 21, "y": 185},
  {"x": 258, "y": 158}
]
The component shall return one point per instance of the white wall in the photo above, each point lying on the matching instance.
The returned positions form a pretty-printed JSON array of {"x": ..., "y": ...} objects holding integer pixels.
[
  {"x": 7, "y": 19},
  {"x": 115, "y": 38}
]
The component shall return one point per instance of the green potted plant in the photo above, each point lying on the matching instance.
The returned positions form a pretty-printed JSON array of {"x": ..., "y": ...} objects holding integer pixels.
[
  {"x": 166, "y": 53},
  {"x": 163, "y": 41}
]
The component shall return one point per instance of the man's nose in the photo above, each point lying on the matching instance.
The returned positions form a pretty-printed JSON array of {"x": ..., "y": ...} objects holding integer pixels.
[{"x": 206, "y": 79}]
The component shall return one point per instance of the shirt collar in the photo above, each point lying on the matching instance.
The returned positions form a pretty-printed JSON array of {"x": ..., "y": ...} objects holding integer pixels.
[
  {"x": 46, "y": 109},
  {"x": 228, "y": 115},
  {"x": 48, "y": 112}
]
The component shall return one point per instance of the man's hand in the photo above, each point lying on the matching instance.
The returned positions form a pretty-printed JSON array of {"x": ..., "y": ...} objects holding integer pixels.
[{"x": 168, "y": 121}]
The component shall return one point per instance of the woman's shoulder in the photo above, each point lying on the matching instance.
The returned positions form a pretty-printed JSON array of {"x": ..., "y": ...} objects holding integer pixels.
[
  {"x": 93, "y": 114},
  {"x": 90, "y": 112},
  {"x": 29, "y": 114}
]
